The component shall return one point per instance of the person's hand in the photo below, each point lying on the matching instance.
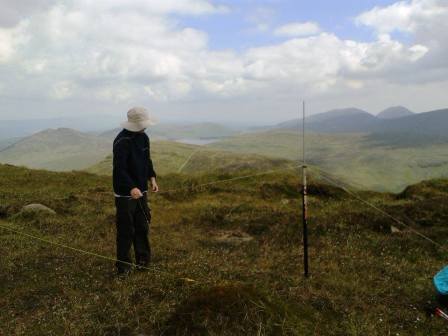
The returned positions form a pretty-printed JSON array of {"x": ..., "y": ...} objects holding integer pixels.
[
  {"x": 136, "y": 193},
  {"x": 155, "y": 187}
]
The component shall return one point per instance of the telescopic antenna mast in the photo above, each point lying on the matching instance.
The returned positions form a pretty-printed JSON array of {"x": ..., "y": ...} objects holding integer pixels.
[{"x": 304, "y": 199}]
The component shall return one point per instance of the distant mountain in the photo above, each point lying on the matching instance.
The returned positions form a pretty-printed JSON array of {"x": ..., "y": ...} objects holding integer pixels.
[
  {"x": 22, "y": 128},
  {"x": 349, "y": 120},
  {"x": 434, "y": 123},
  {"x": 56, "y": 149},
  {"x": 4, "y": 143},
  {"x": 182, "y": 131},
  {"x": 407, "y": 125},
  {"x": 395, "y": 112},
  {"x": 338, "y": 113}
]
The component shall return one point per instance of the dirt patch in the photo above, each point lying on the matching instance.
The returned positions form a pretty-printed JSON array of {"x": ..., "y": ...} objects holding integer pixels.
[{"x": 233, "y": 237}]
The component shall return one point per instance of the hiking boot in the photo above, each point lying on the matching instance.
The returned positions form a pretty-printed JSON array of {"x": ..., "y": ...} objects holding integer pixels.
[
  {"x": 123, "y": 273},
  {"x": 142, "y": 266}
]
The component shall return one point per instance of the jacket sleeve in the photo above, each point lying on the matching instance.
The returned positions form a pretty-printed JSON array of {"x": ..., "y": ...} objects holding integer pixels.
[
  {"x": 120, "y": 165},
  {"x": 151, "y": 172}
]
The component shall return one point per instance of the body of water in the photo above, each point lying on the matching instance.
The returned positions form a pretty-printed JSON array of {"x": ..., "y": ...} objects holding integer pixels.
[{"x": 200, "y": 142}]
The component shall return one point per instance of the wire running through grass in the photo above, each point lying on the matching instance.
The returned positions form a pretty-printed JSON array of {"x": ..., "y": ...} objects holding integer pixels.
[
  {"x": 193, "y": 188},
  {"x": 93, "y": 254},
  {"x": 325, "y": 175},
  {"x": 187, "y": 161}
]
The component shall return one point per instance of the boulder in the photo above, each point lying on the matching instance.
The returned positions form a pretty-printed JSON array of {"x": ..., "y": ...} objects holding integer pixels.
[{"x": 35, "y": 207}]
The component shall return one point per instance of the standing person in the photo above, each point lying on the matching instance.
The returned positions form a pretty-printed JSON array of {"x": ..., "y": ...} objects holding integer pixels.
[{"x": 132, "y": 168}]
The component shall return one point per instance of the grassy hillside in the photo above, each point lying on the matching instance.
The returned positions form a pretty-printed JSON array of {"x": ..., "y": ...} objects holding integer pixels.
[
  {"x": 380, "y": 161},
  {"x": 348, "y": 120},
  {"x": 198, "y": 130},
  {"x": 174, "y": 131},
  {"x": 56, "y": 149},
  {"x": 365, "y": 280},
  {"x": 5, "y": 143},
  {"x": 359, "y": 159},
  {"x": 173, "y": 157},
  {"x": 433, "y": 123}
]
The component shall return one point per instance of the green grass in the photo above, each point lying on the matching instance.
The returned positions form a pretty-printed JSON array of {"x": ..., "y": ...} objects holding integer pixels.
[
  {"x": 172, "y": 157},
  {"x": 58, "y": 150},
  {"x": 365, "y": 280},
  {"x": 358, "y": 159},
  {"x": 377, "y": 162},
  {"x": 193, "y": 131}
]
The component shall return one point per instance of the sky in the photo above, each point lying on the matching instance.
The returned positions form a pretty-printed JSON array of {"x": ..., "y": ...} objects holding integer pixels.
[{"x": 229, "y": 61}]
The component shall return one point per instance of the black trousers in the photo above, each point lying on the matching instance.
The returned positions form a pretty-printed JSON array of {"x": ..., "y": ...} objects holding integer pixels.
[{"x": 133, "y": 218}]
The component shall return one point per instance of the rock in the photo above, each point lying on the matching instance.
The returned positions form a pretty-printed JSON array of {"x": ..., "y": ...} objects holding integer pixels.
[
  {"x": 393, "y": 229},
  {"x": 35, "y": 207},
  {"x": 233, "y": 237}
]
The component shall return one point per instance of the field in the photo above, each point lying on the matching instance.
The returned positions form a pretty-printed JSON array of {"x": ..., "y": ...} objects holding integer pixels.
[
  {"x": 59, "y": 150},
  {"x": 377, "y": 161},
  {"x": 361, "y": 160},
  {"x": 227, "y": 259},
  {"x": 172, "y": 157}
]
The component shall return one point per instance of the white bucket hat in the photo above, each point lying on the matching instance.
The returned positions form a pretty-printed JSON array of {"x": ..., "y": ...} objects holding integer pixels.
[{"x": 138, "y": 120}]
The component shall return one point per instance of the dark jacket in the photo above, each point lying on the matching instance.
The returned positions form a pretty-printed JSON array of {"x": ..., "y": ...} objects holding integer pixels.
[{"x": 132, "y": 164}]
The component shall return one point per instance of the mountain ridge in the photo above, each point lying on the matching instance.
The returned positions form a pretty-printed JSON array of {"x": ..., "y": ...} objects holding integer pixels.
[
  {"x": 353, "y": 120},
  {"x": 394, "y": 112}
]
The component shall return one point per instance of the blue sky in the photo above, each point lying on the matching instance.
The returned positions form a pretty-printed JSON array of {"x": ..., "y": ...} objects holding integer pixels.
[{"x": 236, "y": 28}]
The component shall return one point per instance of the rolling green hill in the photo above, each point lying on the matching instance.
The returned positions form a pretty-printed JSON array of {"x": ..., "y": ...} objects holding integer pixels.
[
  {"x": 5, "y": 143},
  {"x": 56, "y": 149},
  {"x": 378, "y": 161},
  {"x": 226, "y": 259},
  {"x": 197, "y": 130},
  {"x": 167, "y": 131},
  {"x": 359, "y": 159},
  {"x": 173, "y": 157},
  {"x": 348, "y": 120}
]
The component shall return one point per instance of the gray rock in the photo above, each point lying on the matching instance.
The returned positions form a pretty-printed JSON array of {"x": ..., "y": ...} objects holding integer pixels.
[{"x": 35, "y": 207}]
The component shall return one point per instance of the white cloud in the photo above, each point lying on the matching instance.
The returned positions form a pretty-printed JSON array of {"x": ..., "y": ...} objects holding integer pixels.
[
  {"x": 297, "y": 29},
  {"x": 13, "y": 11},
  {"x": 186, "y": 7},
  {"x": 117, "y": 51},
  {"x": 6, "y": 45},
  {"x": 406, "y": 16},
  {"x": 388, "y": 19},
  {"x": 426, "y": 23},
  {"x": 62, "y": 90},
  {"x": 321, "y": 61},
  {"x": 9, "y": 40}
]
